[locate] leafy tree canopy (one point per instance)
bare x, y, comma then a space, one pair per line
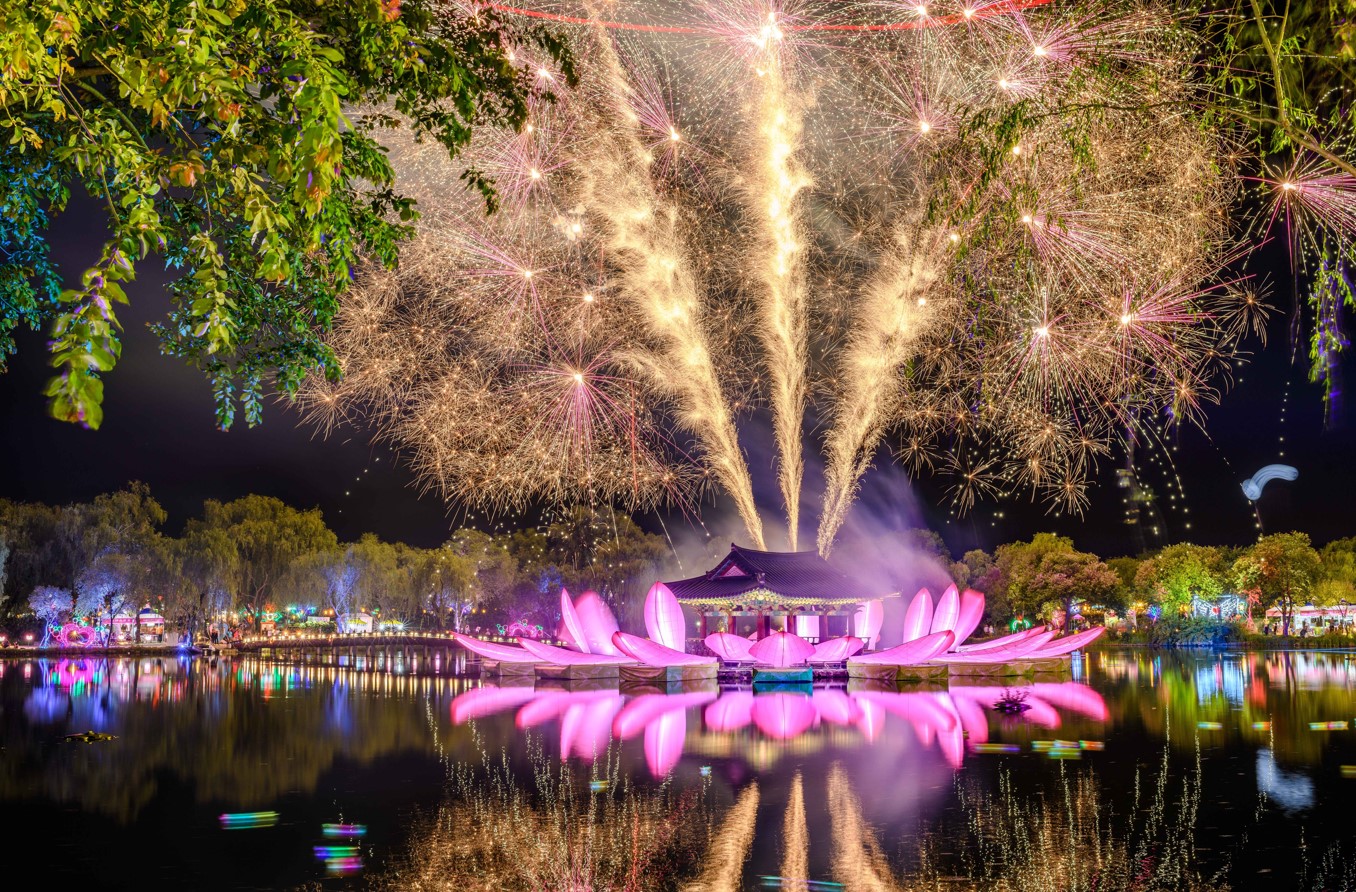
213, 134
1280, 569
1180, 573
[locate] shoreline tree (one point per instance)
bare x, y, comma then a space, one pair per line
213, 135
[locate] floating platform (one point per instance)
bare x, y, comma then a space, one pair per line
892, 674
668, 675
500, 669
579, 672
1055, 668
770, 675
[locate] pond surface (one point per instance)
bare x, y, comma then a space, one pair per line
1147, 771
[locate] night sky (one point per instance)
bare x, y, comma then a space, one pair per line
159, 428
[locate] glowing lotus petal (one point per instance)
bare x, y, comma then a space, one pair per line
1019, 650
782, 649
1001, 642
836, 707
640, 712
1074, 697
836, 649
664, 742
952, 745
652, 654
559, 656
910, 653
918, 617
548, 705
664, 621
1068, 645
563, 634
973, 718
872, 720
1037, 712
947, 611
503, 653
919, 710
598, 623
731, 712
971, 612
480, 702
586, 727
951, 741
868, 620
731, 648
783, 716
570, 619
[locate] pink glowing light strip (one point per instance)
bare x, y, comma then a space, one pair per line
922, 21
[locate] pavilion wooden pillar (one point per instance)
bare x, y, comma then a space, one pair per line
702, 626
730, 622
824, 627
764, 626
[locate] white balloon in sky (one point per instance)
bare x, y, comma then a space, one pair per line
1252, 487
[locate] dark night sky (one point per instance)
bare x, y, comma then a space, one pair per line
159, 428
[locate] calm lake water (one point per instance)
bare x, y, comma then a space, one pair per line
1148, 771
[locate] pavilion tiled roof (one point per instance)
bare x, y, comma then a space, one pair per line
770, 578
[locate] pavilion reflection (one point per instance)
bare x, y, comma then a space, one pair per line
953, 721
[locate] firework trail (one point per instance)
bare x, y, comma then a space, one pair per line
885, 332
985, 236
646, 242
783, 244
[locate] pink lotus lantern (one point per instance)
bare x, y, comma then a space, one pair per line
730, 648
559, 656
947, 611
782, 650
868, 621
597, 624
574, 630
664, 617
652, 654
918, 616
836, 649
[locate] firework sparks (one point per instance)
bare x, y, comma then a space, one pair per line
746, 204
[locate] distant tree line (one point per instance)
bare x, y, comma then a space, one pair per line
256, 557
1047, 574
